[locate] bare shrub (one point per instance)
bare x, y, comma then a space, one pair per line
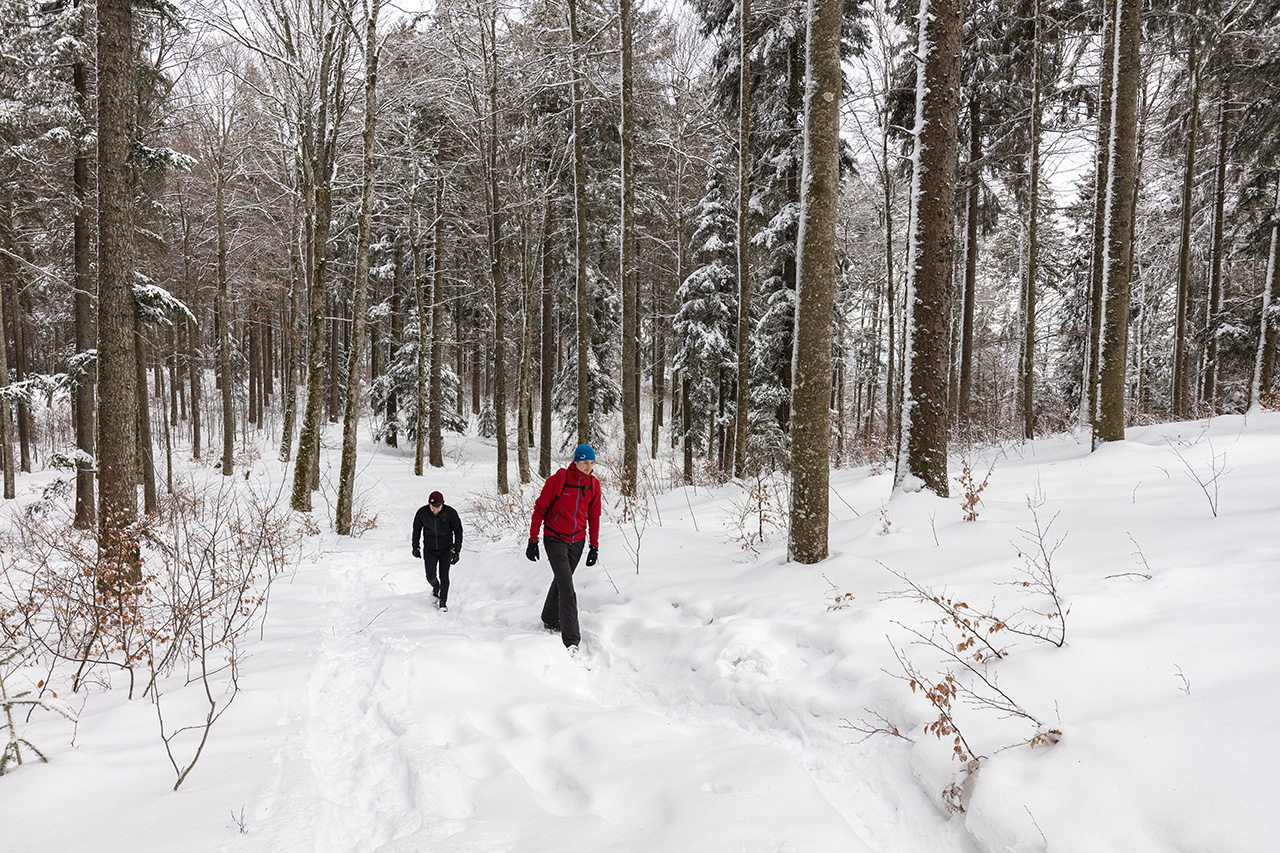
760, 511
496, 516
201, 584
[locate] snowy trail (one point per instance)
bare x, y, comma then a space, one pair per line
472, 731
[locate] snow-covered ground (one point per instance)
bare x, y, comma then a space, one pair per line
721, 697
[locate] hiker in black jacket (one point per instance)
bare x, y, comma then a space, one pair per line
441, 532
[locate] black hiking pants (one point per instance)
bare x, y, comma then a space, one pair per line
438, 562
561, 606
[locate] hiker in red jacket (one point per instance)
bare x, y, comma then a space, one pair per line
569, 509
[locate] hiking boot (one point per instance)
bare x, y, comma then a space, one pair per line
550, 627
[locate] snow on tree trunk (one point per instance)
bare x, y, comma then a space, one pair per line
816, 256
1179, 381
1102, 172
922, 458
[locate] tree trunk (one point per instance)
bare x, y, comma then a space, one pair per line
83, 301
1102, 177
1181, 376
6, 428
965, 392
744, 236
1209, 388
547, 361
118, 410
580, 230
292, 342
815, 296
630, 320
495, 260
1033, 247
437, 331
146, 450
1113, 350
19, 365
420, 302
1265, 360
393, 343
359, 310
224, 336
929, 252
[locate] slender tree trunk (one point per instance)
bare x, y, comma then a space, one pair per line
1180, 378
224, 336
1209, 393
495, 259
744, 237
580, 231
1121, 185
437, 332
815, 297
117, 411
355, 354
146, 449
255, 366
547, 361
309, 437
292, 340
193, 367
396, 323
1265, 360
630, 320
23, 415
1102, 178
420, 299
1033, 248
83, 302
6, 428
965, 393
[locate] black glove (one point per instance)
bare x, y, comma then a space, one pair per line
532, 551
416, 552
454, 558
593, 554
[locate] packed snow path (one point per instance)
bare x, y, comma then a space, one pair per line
473, 730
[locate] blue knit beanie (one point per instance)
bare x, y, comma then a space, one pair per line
584, 453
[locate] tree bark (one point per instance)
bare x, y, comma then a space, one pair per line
580, 230
1209, 387
1181, 376
1102, 173
1033, 247
83, 300
146, 450
359, 304
547, 361
437, 331
815, 297
744, 237
965, 393
117, 411
1113, 350
224, 335
630, 320
1265, 360
929, 252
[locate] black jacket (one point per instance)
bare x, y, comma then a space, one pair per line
440, 531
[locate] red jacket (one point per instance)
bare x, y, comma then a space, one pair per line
569, 505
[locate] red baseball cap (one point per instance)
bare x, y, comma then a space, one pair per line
436, 498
